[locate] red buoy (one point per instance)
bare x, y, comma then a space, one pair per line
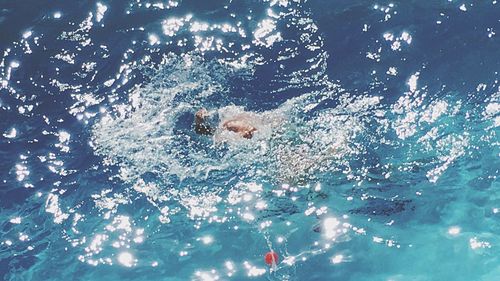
271, 258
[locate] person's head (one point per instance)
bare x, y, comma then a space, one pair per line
201, 125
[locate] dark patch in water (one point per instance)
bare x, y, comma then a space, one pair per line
384, 207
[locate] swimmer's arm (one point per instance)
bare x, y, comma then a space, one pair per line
240, 127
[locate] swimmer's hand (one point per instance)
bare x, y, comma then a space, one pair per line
241, 127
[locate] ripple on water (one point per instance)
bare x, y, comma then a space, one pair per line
169, 198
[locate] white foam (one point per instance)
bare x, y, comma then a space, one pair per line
265, 35
52, 206
172, 25
101, 10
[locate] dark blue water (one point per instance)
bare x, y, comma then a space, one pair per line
376, 155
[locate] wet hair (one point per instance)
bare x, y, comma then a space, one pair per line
203, 125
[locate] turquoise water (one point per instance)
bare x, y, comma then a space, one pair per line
376, 154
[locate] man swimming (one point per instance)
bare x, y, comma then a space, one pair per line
275, 134
240, 124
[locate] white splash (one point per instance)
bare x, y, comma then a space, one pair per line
412, 82
21, 172
52, 206
172, 25
264, 33
101, 9
330, 227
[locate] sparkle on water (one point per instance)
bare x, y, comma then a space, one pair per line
379, 174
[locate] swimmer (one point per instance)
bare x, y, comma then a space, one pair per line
277, 136
238, 124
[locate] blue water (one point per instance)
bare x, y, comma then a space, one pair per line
376, 155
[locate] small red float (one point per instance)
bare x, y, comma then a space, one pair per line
271, 258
